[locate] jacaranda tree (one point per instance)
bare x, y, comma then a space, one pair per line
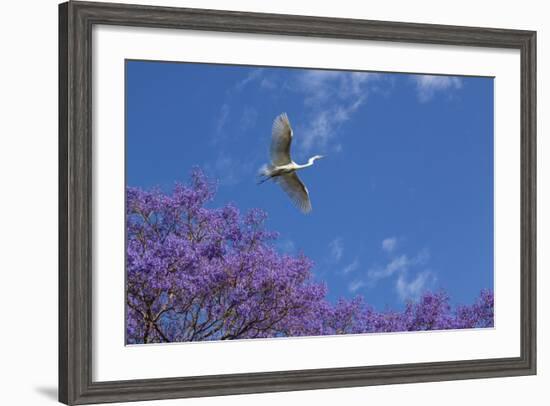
196, 273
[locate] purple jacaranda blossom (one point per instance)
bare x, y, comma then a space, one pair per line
197, 273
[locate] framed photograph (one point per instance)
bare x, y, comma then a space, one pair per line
257, 202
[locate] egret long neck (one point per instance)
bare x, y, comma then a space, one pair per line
309, 163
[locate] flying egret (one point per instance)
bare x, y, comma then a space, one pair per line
282, 168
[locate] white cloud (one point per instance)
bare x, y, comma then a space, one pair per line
398, 264
253, 75
336, 248
259, 75
318, 85
413, 288
402, 266
222, 118
354, 286
351, 267
249, 113
389, 244
323, 126
268, 84
428, 85
331, 99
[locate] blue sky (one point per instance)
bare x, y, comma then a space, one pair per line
402, 203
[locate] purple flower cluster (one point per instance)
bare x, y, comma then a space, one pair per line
196, 273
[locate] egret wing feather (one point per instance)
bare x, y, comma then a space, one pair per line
296, 190
281, 138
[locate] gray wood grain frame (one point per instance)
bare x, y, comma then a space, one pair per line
76, 20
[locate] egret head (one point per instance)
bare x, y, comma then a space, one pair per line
314, 158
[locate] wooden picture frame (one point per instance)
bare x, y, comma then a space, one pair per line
76, 20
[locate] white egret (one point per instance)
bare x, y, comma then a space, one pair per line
282, 168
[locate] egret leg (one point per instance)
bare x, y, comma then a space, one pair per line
263, 180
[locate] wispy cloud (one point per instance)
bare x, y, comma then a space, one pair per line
222, 119
321, 86
413, 289
351, 267
259, 77
268, 83
336, 248
252, 76
427, 86
401, 267
247, 116
407, 272
323, 125
331, 99
355, 285
233, 120
389, 244
398, 263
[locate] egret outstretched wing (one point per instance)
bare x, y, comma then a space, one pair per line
296, 190
281, 138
